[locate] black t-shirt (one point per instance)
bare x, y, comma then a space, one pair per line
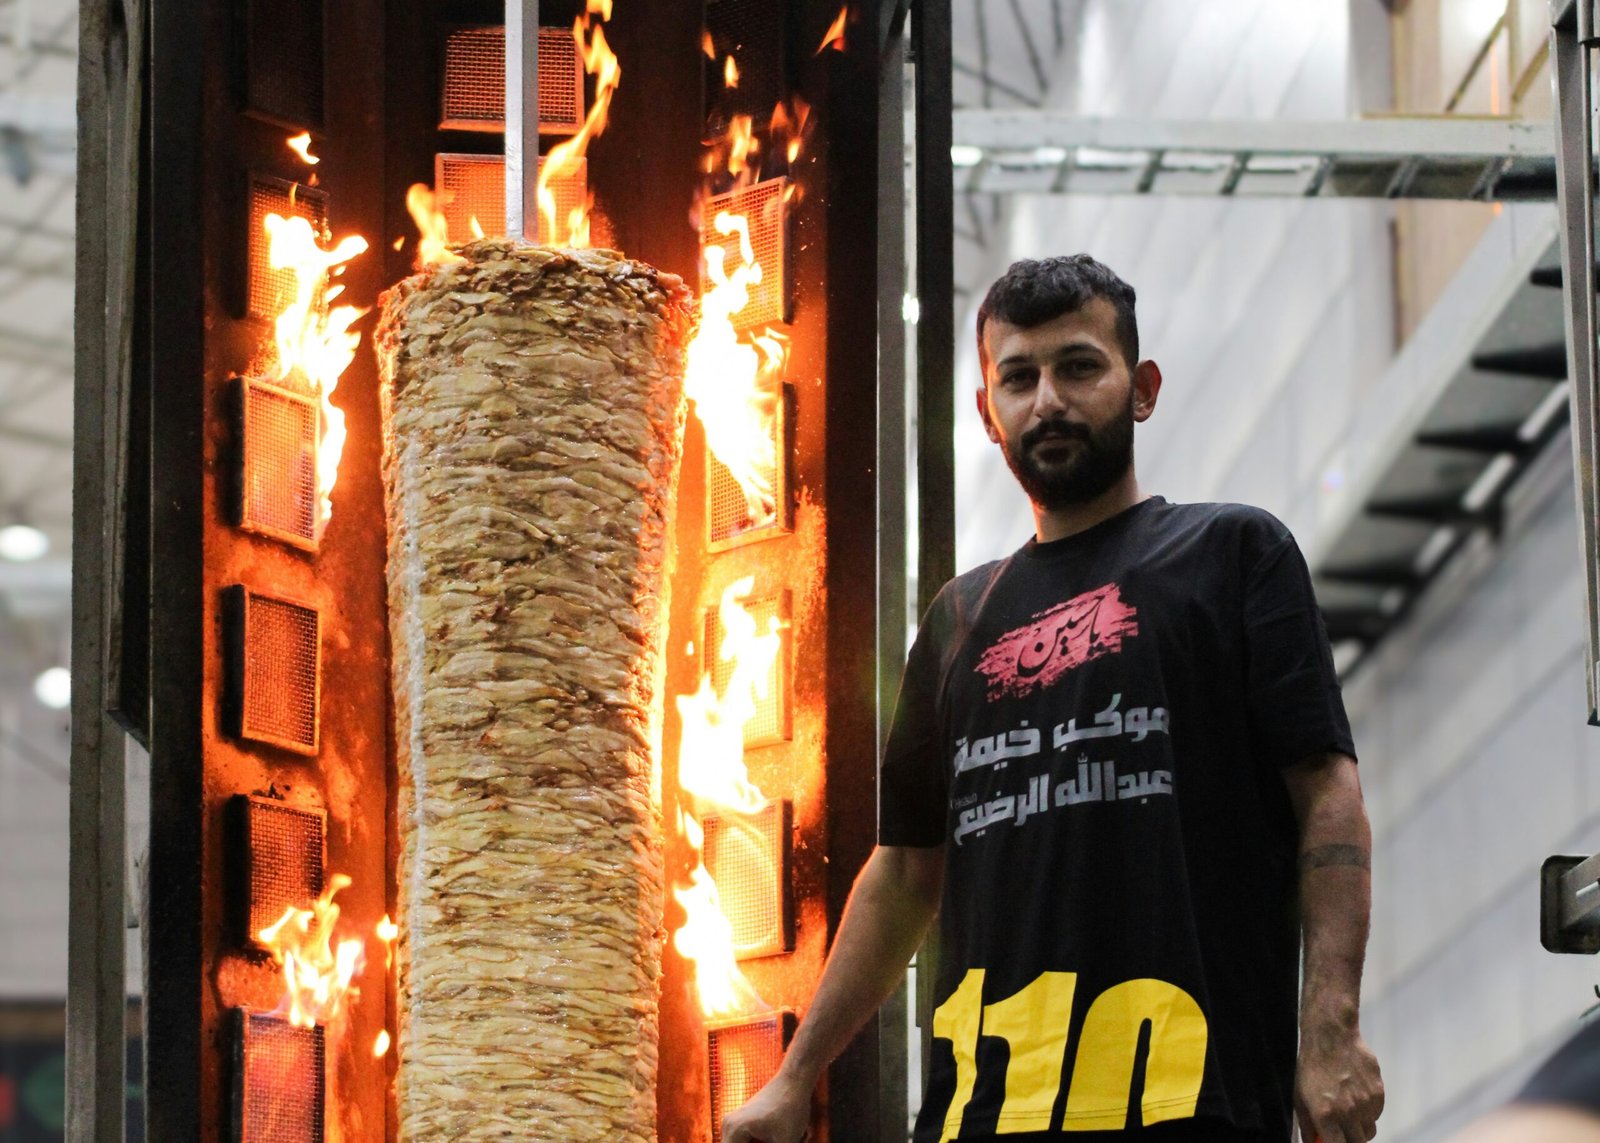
1094, 728
1572, 1076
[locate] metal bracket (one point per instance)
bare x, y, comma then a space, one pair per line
1569, 904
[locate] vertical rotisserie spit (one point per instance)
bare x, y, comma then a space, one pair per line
533, 412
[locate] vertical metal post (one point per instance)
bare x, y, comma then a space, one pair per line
892, 500
936, 324
522, 119
111, 49
1571, 38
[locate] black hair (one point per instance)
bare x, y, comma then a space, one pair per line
1034, 291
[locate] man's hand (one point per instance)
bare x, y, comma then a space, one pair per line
1338, 1093
779, 1113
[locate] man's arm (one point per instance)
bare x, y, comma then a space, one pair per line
1338, 1090
893, 901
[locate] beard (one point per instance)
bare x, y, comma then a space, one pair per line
1099, 459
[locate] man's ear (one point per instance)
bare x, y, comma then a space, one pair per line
983, 411
1146, 388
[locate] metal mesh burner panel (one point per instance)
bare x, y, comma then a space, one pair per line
747, 856
276, 482
773, 720
268, 290
741, 1058
729, 519
762, 205
475, 81
278, 862
283, 63
274, 677
474, 186
279, 1080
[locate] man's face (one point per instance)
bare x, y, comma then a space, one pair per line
1061, 402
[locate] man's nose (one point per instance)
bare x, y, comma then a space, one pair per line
1047, 402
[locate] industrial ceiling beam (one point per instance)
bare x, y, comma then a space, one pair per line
1023, 150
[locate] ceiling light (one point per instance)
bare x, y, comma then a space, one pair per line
54, 688
965, 155
19, 542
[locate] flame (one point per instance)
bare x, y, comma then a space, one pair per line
742, 144
835, 37
380, 1046
789, 124
477, 227
601, 62
318, 975
433, 229
732, 381
387, 932
713, 775
400, 243
314, 339
301, 145
707, 45
730, 73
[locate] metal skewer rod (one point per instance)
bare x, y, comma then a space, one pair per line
522, 119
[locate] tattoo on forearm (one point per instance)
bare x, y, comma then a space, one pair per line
1325, 855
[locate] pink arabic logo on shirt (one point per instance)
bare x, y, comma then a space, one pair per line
1066, 636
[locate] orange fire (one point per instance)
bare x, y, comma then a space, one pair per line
301, 145
789, 124
713, 777
433, 230
313, 337
318, 974
734, 380
730, 73
742, 147
835, 37
601, 62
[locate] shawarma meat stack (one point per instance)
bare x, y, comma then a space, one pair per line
533, 415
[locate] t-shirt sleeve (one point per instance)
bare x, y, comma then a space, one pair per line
1571, 1076
912, 785
1295, 706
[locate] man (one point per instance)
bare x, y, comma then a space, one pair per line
1121, 760
1560, 1104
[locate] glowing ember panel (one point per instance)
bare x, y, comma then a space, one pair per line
747, 856
762, 205
731, 517
277, 477
269, 290
279, 862
742, 1058
533, 410
279, 1080
274, 681
772, 720
473, 188
475, 81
